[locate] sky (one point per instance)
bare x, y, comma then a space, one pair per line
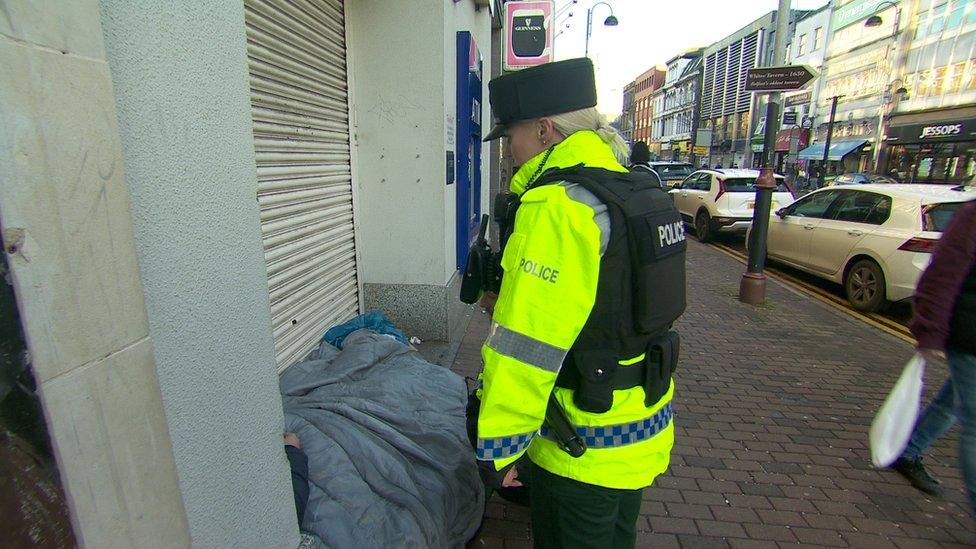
650, 32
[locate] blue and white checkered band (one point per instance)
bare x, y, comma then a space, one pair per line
503, 447
611, 436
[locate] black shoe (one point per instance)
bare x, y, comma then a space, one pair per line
916, 474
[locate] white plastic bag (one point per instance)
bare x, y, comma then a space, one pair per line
893, 424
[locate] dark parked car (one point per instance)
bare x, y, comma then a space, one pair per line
672, 172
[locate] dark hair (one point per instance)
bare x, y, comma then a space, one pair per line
639, 153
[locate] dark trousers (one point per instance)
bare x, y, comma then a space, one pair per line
568, 513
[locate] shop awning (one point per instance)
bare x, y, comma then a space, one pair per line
838, 149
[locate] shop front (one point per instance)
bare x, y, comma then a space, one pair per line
845, 155
663, 151
940, 150
789, 143
680, 150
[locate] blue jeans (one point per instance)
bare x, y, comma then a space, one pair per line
956, 402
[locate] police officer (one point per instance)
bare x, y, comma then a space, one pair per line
593, 263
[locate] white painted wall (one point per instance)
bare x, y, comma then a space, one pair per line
69, 244
402, 72
179, 70
399, 132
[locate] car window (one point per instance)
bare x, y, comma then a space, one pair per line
936, 217
844, 179
672, 171
694, 182
748, 185
882, 179
813, 205
860, 207
704, 182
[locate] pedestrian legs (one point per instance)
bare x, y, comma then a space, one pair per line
935, 420
962, 372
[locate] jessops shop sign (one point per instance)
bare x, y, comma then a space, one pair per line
952, 130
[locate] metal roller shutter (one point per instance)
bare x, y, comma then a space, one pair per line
297, 63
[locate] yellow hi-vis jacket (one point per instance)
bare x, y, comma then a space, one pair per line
552, 264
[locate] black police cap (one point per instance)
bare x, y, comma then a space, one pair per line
543, 90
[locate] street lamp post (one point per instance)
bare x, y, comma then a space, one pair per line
610, 21
752, 287
877, 21
830, 134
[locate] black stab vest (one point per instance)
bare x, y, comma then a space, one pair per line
641, 287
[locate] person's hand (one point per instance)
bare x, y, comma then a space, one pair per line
487, 302
291, 439
932, 354
511, 479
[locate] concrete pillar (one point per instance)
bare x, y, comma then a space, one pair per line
179, 70
65, 215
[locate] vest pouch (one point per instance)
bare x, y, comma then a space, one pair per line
661, 360
657, 250
596, 368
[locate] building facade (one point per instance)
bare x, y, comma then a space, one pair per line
734, 116
808, 46
628, 112
727, 109
675, 107
644, 87
931, 133
859, 67
227, 205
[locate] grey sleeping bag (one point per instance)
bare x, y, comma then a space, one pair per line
389, 460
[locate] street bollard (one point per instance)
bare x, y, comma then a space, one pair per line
752, 288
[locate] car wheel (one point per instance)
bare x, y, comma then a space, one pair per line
865, 286
703, 227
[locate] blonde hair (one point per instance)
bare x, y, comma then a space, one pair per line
590, 119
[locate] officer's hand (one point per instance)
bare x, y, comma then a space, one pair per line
497, 479
511, 479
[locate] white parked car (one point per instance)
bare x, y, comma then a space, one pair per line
874, 239
721, 201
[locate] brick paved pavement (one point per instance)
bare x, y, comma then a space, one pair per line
772, 409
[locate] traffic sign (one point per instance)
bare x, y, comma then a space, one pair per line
774, 79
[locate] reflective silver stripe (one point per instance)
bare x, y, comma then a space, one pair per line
601, 217
525, 349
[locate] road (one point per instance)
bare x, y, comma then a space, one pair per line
893, 320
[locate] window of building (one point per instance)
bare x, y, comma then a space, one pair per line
817, 38
956, 15
788, 47
937, 23
953, 82
802, 48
